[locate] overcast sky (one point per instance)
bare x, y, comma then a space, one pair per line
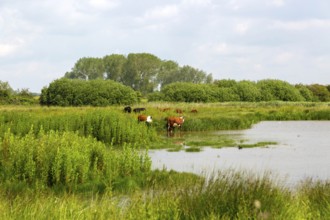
289, 40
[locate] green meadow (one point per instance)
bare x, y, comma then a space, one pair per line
93, 163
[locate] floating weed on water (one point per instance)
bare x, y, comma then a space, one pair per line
193, 149
216, 143
175, 149
259, 144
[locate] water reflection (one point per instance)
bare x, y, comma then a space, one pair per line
303, 150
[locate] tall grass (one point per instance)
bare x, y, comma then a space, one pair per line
67, 161
170, 195
106, 125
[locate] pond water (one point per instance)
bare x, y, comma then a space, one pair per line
302, 151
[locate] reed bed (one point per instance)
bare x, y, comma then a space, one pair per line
107, 125
68, 162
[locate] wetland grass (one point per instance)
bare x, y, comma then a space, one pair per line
173, 195
86, 163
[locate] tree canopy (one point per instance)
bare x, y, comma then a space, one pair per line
143, 72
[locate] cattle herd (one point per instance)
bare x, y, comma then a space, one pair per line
171, 121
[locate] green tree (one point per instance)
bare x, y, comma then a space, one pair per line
5, 90
190, 74
114, 66
188, 92
225, 90
168, 73
141, 72
247, 91
305, 92
87, 68
24, 93
226, 94
225, 83
272, 89
320, 92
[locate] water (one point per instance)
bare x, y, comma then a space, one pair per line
303, 151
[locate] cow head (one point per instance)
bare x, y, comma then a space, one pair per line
149, 119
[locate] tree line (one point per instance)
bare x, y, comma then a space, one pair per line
227, 90
143, 72
119, 79
78, 92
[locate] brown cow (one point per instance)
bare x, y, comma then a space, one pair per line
145, 118
194, 111
173, 122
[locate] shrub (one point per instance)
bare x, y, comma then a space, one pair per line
70, 92
187, 92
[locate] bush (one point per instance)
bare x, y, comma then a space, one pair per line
70, 92
188, 92
272, 90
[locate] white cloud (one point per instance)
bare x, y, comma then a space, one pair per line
221, 48
197, 2
284, 57
7, 49
242, 27
302, 25
163, 12
104, 4
235, 4
278, 3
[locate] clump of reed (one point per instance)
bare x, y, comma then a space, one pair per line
65, 160
109, 126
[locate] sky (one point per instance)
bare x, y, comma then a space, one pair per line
41, 40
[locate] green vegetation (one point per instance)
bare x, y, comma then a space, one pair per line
209, 139
107, 125
245, 91
78, 92
193, 149
66, 92
171, 195
163, 80
92, 163
19, 97
143, 72
66, 160
259, 144
118, 79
